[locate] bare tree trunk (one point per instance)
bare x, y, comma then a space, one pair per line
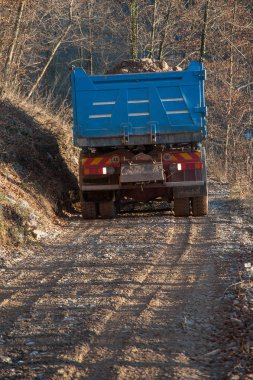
165, 31
134, 28
53, 52
231, 73
9, 59
151, 54
204, 33
90, 51
19, 54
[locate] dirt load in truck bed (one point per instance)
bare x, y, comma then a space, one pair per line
141, 66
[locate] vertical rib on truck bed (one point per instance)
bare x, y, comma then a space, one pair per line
134, 109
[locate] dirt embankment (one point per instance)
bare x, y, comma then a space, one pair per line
37, 171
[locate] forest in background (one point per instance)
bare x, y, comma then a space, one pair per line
41, 40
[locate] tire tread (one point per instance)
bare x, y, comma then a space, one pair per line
107, 209
182, 207
200, 206
89, 210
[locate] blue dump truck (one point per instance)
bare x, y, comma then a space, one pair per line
141, 136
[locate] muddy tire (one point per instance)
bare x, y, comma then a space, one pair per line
107, 209
200, 206
182, 207
89, 210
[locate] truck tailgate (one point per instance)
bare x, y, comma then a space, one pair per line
133, 109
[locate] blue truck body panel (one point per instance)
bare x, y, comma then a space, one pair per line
141, 108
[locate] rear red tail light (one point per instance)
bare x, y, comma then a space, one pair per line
181, 166
99, 170
191, 165
92, 171
100, 165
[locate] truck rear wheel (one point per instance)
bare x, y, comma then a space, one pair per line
182, 207
107, 209
200, 206
89, 210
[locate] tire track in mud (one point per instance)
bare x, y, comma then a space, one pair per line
133, 298
155, 301
123, 278
137, 275
118, 316
107, 354
97, 327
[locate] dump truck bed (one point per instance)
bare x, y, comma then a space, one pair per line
136, 109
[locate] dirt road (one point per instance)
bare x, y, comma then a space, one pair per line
139, 297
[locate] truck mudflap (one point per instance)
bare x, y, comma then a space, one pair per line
190, 191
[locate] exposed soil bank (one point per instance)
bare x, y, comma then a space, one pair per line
37, 171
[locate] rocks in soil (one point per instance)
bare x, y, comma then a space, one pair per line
5, 359
39, 234
34, 353
141, 66
237, 321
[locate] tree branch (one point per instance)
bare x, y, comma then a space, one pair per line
9, 59
58, 44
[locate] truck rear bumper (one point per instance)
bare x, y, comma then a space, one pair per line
142, 185
147, 139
